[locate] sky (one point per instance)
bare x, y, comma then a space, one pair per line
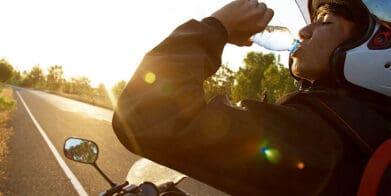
104, 40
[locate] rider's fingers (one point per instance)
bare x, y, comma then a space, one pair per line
267, 16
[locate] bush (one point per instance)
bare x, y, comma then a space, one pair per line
6, 104
6, 100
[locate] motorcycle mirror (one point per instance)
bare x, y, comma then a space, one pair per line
81, 150
148, 188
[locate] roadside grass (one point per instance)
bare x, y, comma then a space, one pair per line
7, 105
96, 101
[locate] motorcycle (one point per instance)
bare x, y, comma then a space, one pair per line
146, 177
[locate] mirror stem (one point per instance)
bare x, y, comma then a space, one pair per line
104, 175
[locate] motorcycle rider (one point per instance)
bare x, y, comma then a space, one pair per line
316, 141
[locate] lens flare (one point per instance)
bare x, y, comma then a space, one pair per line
300, 165
149, 77
272, 155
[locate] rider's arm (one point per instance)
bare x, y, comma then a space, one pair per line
166, 92
263, 148
166, 119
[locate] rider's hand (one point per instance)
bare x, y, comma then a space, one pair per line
242, 19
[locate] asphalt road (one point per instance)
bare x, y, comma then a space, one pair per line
33, 168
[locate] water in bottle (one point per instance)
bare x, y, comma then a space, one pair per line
276, 38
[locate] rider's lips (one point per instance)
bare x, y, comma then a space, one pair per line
297, 51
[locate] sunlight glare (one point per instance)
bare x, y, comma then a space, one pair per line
103, 39
111, 96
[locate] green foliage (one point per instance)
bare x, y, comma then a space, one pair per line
6, 70
67, 87
81, 86
277, 82
55, 78
6, 103
220, 83
16, 78
6, 100
248, 78
35, 78
101, 91
85, 152
262, 74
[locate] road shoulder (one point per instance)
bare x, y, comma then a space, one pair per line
31, 167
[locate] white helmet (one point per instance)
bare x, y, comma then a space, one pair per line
366, 61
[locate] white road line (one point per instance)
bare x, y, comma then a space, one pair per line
75, 182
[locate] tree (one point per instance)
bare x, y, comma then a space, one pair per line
220, 83
277, 82
16, 78
118, 88
85, 152
55, 78
6, 70
262, 74
81, 86
248, 79
101, 91
67, 87
35, 78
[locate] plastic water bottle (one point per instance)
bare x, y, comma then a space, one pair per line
276, 38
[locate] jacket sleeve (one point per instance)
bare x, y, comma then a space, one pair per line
262, 148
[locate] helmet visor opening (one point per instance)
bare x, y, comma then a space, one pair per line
379, 8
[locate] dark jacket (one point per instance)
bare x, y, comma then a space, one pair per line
258, 149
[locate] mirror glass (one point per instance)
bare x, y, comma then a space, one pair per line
148, 189
81, 150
